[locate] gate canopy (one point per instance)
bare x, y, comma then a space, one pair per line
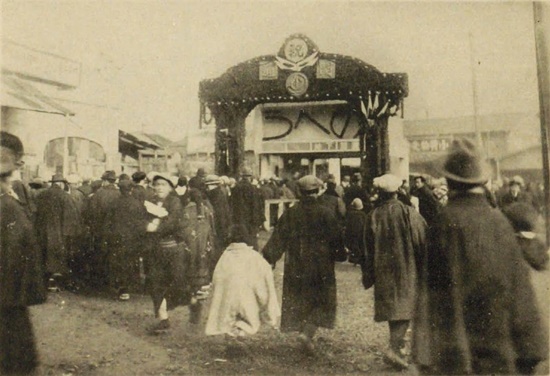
299, 72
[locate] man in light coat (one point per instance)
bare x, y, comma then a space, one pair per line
395, 236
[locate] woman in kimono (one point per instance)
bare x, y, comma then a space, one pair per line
167, 256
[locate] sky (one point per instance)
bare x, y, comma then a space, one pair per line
146, 58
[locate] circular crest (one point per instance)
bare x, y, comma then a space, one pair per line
296, 50
297, 84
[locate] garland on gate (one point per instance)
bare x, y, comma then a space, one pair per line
285, 77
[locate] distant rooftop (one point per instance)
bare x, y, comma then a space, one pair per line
466, 124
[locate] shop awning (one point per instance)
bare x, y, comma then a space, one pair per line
17, 93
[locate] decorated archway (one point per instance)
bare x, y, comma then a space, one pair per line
299, 72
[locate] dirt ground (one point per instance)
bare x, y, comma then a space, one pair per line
94, 334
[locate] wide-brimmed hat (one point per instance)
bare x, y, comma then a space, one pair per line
464, 163
109, 176
309, 183
387, 183
11, 151
58, 178
212, 180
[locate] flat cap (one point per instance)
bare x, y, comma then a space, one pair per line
387, 183
309, 183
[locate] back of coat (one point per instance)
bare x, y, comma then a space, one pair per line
395, 237
477, 308
309, 234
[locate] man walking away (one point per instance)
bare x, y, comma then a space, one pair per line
309, 235
476, 313
395, 236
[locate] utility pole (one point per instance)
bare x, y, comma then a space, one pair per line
474, 92
541, 13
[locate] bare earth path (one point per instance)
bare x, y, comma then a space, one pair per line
97, 335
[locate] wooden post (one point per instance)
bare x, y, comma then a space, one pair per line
541, 14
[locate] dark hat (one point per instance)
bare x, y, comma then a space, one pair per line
125, 186
172, 180
96, 184
124, 177
522, 216
58, 178
11, 151
109, 176
309, 183
464, 163
138, 176
201, 172
246, 171
331, 178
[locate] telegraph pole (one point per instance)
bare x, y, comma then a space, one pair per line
541, 13
474, 90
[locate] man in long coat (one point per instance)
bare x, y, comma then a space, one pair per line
125, 226
21, 282
99, 205
57, 223
309, 235
476, 312
247, 206
395, 236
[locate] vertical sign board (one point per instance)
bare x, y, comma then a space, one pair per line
542, 39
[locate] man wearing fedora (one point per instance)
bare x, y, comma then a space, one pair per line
57, 224
21, 283
516, 193
247, 206
476, 313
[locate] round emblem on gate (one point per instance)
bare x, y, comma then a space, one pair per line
296, 50
297, 84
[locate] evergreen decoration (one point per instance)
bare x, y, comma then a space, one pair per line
229, 98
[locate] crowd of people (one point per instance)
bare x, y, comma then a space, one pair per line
448, 259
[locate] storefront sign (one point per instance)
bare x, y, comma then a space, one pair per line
431, 144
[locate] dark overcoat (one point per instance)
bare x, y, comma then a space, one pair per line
247, 208
476, 311
395, 236
21, 285
355, 233
125, 226
428, 204
199, 237
309, 235
56, 219
100, 203
222, 216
